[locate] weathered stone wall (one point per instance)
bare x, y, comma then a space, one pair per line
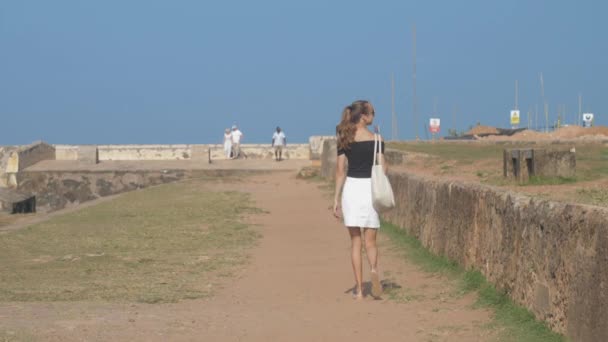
555, 163
14, 159
58, 190
88, 154
34, 153
66, 152
522, 163
180, 152
550, 257
7, 156
316, 145
329, 158
143, 152
265, 151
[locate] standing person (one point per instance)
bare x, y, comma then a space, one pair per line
278, 142
227, 143
236, 141
356, 145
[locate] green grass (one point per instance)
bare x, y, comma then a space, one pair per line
591, 159
539, 180
160, 244
591, 162
15, 336
402, 295
514, 322
461, 152
7, 219
593, 196
416, 252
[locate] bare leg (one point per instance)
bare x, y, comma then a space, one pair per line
355, 238
370, 247
372, 256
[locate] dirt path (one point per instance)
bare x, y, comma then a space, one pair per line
296, 288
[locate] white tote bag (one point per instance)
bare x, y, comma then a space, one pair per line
382, 192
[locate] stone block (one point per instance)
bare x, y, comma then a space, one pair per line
88, 154
316, 145
522, 163
12, 163
329, 158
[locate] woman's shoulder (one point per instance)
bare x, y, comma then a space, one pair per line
366, 136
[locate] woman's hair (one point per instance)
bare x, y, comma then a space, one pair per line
346, 129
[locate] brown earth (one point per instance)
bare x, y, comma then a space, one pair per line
296, 288
481, 171
479, 129
564, 133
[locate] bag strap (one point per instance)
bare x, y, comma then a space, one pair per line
377, 143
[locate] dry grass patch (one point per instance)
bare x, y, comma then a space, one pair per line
7, 219
161, 244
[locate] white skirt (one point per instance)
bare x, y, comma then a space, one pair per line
357, 206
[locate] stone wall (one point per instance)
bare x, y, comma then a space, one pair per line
34, 153
316, 144
549, 257
8, 156
88, 154
329, 158
179, 152
555, 163
522, 163
66, 152
58, 190
14, 159
143, 152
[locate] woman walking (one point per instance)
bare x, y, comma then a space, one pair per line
353, 195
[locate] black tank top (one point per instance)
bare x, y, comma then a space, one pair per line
360, 158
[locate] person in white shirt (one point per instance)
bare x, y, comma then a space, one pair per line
236, 135
278, 141
228, 143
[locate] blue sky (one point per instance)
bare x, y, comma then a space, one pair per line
147, 71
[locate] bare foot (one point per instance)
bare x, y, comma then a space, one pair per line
357, 293
376, 286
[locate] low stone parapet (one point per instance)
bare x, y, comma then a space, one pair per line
66, 152
175, 152
55, 190
88, 154
144, 152
34, 153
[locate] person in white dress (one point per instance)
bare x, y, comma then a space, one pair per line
278, 142
227, 143
237, 136
353, 193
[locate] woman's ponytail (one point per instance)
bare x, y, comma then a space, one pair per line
346, 129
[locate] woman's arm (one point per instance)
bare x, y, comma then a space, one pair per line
340, 178
381, 156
